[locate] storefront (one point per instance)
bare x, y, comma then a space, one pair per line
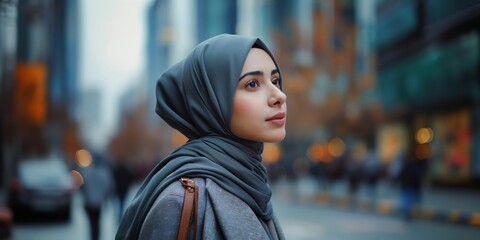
428, 79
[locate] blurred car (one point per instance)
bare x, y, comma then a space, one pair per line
43, 187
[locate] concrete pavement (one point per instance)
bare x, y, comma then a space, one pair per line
437, 204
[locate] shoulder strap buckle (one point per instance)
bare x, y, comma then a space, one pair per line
190, 203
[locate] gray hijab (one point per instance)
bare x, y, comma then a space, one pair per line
195, 96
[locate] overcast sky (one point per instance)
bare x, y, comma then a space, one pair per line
112, 52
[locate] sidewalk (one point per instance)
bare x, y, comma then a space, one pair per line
445, 205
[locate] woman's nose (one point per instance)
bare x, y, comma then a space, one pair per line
277, 97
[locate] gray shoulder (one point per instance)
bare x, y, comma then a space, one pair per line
222, 196
163, 217
228, 214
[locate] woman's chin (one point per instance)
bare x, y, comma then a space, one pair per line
275, 137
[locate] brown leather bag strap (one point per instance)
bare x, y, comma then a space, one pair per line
190, 203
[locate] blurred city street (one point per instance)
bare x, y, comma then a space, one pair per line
75, 229
305, 221
383, 129
301, 219
305, 217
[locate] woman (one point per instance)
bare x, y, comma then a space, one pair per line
226, 98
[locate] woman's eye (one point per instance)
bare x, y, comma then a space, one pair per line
276, 82
252, 84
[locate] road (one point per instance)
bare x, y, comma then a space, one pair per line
300, 219
303, 221
76, 229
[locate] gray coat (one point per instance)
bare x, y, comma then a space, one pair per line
221, 215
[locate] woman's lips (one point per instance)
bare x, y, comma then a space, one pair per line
277, 119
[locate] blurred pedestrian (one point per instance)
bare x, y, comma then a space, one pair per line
226, 98
123, 176
371, 172
97, 188
395, 167
336, 169
410, 177
354, 176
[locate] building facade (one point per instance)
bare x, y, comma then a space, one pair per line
39, 50
428, 68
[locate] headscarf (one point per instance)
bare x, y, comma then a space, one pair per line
195, 96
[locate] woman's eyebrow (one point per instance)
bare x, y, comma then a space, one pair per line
257, 73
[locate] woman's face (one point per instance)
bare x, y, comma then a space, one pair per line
259, 106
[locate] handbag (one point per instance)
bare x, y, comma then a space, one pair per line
190, 204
